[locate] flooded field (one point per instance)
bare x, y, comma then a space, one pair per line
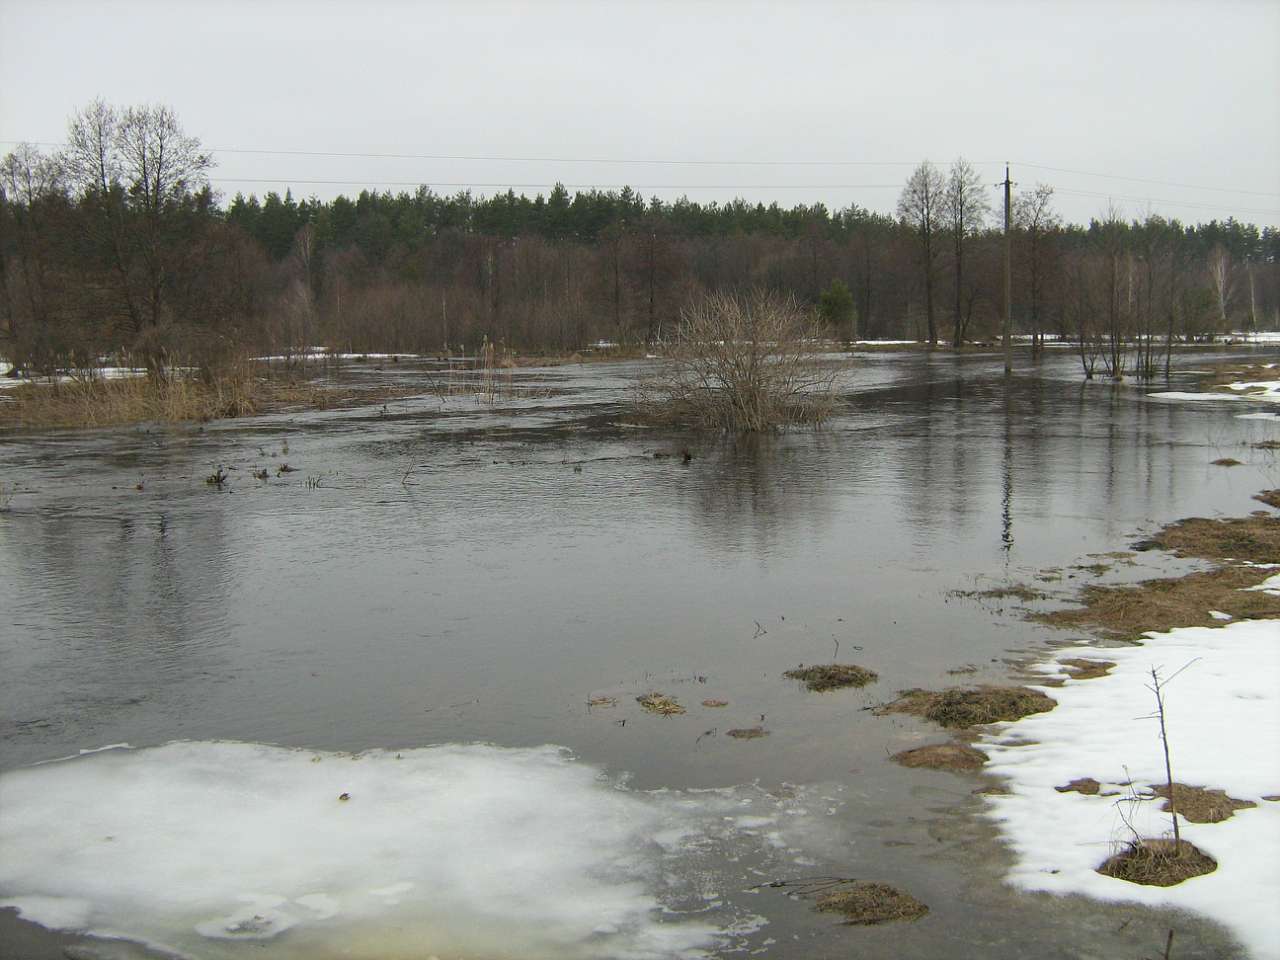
504, 577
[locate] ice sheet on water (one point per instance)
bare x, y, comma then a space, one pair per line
209, 849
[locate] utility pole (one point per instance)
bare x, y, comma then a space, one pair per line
1008, 276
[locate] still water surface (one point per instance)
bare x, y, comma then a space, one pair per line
443, 571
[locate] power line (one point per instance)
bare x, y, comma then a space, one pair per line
504, 185
1162, 183
670, 161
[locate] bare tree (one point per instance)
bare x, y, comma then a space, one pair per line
1034, 215
920, 207
1221, 281
28, 180
965, 208
137, 168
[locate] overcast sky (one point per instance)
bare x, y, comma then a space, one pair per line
1186, 93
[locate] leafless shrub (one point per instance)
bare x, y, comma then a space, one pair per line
743, 362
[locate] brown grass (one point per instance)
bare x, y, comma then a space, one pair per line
832, 676
955, 756
1242, 538
101, 403
1019, 591
1270, 497
660, 703
1226, 462
175, 399
968, 706
1078, 668
1220, 375
1159, 863
1085, 785
1127, 612
865, 903
1200, 805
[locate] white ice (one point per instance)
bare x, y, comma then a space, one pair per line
1224, 732
212, 849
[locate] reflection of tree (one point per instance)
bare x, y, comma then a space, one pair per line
751, 492
109, 612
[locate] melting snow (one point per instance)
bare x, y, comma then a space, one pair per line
1224, 732
209, 849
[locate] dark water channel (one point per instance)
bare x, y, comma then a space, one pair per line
449, 571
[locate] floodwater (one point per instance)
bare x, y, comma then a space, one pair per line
447, 571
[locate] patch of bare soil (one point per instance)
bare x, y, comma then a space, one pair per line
1226, 462
715, 703
832, 676
1126, 612
864, 903
1159, 863
1079, 668
967, 706
747, 733
1270, 497
1200, 805
954, 756
660, 703
1086, 785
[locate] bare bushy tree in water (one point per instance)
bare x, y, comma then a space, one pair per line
744, 362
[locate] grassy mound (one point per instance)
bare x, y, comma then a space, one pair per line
1158, 863
954, 756
868, 903
832, 676
967, 706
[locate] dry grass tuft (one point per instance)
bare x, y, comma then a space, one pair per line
833, 676
1270, 497
660, 703
1200, 805
1127, 612
1086, 785
1079, 668
1158, 863
968, 706
865, 903
955, 756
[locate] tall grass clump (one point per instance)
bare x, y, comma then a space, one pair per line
743, 362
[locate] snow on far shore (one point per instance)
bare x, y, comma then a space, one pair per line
1223, 715
455, 850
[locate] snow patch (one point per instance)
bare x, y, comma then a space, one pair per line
1224, 731
205, 849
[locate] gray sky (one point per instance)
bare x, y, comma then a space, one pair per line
1187, 93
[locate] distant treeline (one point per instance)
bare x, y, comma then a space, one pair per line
118, 244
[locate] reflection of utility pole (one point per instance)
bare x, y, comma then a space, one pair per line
1008, 274
1006, 499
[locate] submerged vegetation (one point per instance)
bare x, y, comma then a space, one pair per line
1127, 612
743, 362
